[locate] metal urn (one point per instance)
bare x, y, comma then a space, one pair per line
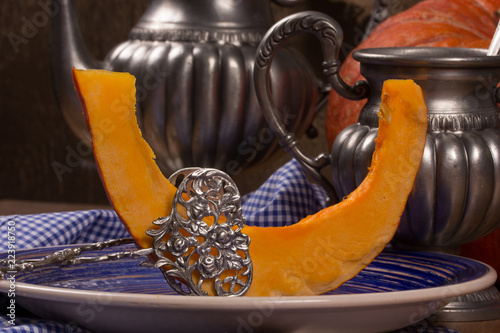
456, 195
193, 61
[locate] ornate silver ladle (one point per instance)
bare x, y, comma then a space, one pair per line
198, 247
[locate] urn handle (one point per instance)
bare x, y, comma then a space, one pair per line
330, 35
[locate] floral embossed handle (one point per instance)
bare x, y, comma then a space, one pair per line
330, 35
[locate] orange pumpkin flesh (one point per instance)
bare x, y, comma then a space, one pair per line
310, 257
135, 187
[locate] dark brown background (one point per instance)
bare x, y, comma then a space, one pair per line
33, 133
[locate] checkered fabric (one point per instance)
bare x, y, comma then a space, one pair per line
62, 228
283, 199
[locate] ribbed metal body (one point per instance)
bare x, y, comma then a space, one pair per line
193, 61
456, 196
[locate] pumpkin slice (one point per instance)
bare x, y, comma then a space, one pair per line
134, 184
311, 257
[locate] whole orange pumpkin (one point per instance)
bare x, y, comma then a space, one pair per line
447, 23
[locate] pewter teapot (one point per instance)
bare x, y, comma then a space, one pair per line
456, 195
193, 61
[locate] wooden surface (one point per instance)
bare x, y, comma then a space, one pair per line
491, 326
34, 137
16, 207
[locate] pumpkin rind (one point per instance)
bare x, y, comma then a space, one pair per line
310, 257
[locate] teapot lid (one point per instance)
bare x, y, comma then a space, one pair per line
204, 20
207, 14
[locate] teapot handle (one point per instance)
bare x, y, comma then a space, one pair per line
330, 35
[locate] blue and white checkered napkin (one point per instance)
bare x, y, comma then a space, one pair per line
286, 197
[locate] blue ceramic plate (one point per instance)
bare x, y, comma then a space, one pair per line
396, 290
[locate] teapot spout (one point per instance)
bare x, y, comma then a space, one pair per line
67, 50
